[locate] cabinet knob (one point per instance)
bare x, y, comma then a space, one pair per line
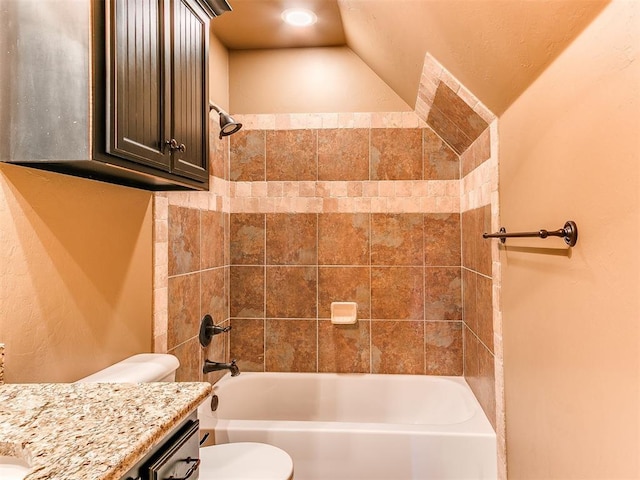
173, 146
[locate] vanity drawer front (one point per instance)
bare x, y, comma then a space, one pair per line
178, 459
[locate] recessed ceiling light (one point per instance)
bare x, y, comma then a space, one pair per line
299, 17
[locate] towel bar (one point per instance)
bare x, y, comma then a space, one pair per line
569, 233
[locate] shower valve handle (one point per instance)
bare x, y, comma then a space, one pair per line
208, 330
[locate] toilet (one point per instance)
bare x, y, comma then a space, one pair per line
229, 461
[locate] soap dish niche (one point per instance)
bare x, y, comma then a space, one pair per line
344, 313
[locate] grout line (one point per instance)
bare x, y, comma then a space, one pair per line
182, 343
317, 288
370, 298
424, 290
264, 290
462, 294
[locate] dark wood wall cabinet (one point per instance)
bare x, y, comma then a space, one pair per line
123, 99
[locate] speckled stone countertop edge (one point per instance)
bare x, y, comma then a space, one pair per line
90, 431
152, 440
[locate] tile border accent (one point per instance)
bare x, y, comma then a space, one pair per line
398, 196
299, 121
217, 199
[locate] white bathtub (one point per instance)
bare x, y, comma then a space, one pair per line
359, 427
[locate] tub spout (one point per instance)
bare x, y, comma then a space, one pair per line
210, 366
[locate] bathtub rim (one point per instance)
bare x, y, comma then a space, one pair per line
477, 425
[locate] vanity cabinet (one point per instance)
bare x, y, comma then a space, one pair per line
174, 457
113, 90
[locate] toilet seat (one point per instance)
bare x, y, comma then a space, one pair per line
245, 461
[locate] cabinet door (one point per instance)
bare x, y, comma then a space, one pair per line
190, 51
138, 93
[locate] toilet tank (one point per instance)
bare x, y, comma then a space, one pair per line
141, 368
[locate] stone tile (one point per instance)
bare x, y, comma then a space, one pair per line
183, 309
442, 239
443, 293
443, 348
471, 366
476, 251
343, 154
470, 312
227, 239
184, 240
246, 291
291, 345
224, 145
484, 308
344, 284
214, 299
396, 154
291, 155
217, 152
484, 387
397, 347
247, 238
247, 156
291, 292
343, 239
476, 154
469, 226
483, 245
440, 161
448, 131
247, 343
292, 238
213, 236
397, 293
344, 348
397, 239
462, 115
189, 356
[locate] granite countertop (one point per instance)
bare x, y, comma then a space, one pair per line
90, 431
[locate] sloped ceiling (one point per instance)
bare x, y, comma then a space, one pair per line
496, 48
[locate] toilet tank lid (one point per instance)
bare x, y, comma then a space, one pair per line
141, 368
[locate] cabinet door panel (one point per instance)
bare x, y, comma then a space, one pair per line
138, 92
190, 39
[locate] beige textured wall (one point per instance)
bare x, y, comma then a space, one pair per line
218, 72
570, 149
75, 274
307, 80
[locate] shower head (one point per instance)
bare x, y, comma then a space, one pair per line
228, 125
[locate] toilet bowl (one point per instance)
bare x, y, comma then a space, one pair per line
243, 461
228, 461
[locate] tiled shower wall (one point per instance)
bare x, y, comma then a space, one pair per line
383, 209
462, 121
477, 287
196, 284
370, 243
191, 277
